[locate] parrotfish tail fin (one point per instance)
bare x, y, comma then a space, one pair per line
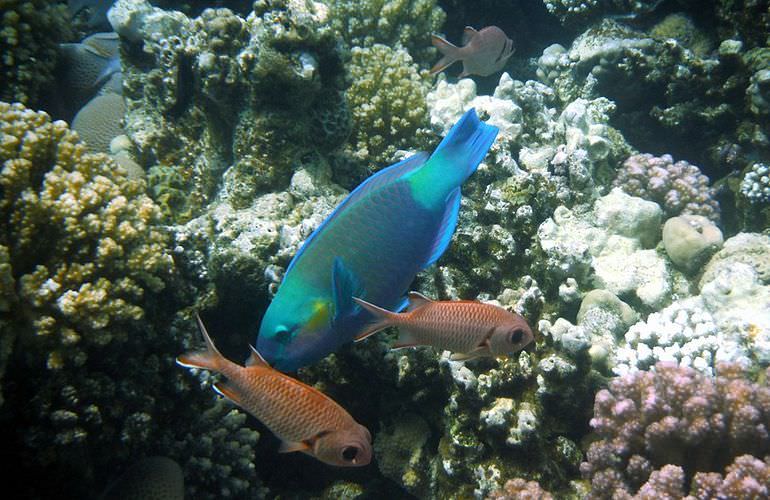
382, 319
345, 285
446, 229
210, 359
450, 52
467, 142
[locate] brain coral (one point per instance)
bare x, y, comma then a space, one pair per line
387, 101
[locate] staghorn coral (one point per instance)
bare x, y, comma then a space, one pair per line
403, 24
387, 102
679, 188
674, 416
29, 33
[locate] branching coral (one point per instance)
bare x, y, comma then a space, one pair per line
675, 416
387, 101
678, 187
29, 33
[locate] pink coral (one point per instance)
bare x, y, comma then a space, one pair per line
679, 188
520, 489
649, 422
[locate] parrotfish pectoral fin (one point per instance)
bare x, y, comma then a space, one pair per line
256, 359
467, 143
345, 285
449, 51
383, 177
447, 227
382, 319
417, 300
289, 447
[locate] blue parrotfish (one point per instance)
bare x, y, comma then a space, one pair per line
395, 224
483, 52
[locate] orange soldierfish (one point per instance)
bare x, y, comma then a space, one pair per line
303, 418
483, 52
465, 327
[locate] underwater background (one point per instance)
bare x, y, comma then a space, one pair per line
170, 158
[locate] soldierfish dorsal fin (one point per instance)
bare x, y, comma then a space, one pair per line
382, 319
256, 359
417, 300
468, 33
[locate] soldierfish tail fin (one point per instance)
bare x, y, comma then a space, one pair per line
382, 319
210, 359
467, 142
450, 52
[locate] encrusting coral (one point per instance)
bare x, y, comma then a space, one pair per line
656, 428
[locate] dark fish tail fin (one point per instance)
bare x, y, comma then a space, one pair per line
449, 51
210, 359
468, 141
382, 319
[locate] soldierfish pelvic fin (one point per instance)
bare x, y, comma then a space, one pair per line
450, 52
290, 447
482, 350
382, 319
210, 359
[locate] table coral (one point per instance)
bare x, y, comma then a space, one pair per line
660, 427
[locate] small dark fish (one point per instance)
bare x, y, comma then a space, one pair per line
483, 52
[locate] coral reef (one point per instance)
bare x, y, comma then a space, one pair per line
398, 24
755, 185
656, 428
220, 92
690, 240
519, 489
387, 102
678, 187
29, 33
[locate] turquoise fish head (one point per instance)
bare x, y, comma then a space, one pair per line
294, 331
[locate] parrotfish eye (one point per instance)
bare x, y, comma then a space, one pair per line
516, 335
282, 334
349, 453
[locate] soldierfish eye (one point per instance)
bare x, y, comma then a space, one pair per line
349, 453
516, 336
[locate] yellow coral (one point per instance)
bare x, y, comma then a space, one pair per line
83, 239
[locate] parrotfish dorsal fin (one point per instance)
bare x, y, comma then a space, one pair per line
381, 178
417, 300
256, 359
345, 286
447, 227
468, 33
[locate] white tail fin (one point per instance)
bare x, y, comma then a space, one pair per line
382, 319
210, 359
449, 51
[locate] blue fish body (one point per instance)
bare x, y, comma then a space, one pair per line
395, 224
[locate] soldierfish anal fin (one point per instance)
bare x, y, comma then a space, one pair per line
256, 359
345, 286
446, 228
290, 447
226, 390
467, 143
450, 54
382, 178
468, 33
405, 339
417, 300
382, 319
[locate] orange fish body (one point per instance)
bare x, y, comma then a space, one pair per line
303, 418
483, 52
467, 328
